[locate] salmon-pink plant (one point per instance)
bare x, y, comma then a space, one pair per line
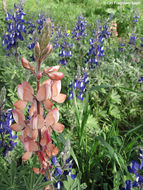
36, 132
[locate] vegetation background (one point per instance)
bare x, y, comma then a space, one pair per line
105, 129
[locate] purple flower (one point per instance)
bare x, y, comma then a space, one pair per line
79, 85
15, 28
79, 30
6, 134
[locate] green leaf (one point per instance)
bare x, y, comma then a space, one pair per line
93, 148
39, 180
114, 111
98, 87
83, 186
12, 172
74, 157
131, 90
134, 129
43, 185
76, 111
2, 96
26, 183
115, 97
84, 117
32, 177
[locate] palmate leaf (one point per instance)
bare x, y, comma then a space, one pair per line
114, 111
34, 183
115, 97
75, 184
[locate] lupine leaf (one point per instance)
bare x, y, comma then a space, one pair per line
134, 129
12, 172
2, 97
26, 183
74, 157
84, 117
98, 87
43, 185
40, 178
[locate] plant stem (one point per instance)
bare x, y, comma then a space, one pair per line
38, 112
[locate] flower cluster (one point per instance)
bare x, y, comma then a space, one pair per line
113, 29
65, 52
79, 85
140, 80
61, 171
15, 28
59, 35
104, 32
135, 168
96, 48
141, 39
132, 39
37, 27
121, 47
6, 134
79, 30
36, 132
136, 17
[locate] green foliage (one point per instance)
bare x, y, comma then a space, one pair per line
15, 178
106, 128
74, 185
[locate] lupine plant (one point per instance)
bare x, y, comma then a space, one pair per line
63, 168
96, 50
79, 85
7, 136
15, 29
65, 50
136, 169
36, 132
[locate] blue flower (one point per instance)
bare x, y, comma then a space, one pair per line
132, 39
128, 185
79, 85
134, 167
79, 30
121, 47
58, 172
141, 79
65, 49
58, 185
54, 160
7, 137
96, 50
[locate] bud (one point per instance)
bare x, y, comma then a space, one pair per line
45, 34
26, 64
37, 51
46, 52
39, 75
